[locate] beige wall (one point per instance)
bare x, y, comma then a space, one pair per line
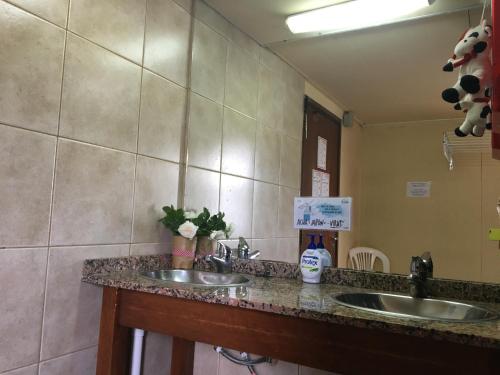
453, 223
93, 144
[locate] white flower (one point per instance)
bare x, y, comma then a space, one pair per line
188, 230
190, 214
217, 235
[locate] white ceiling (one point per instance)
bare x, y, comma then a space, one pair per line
385, 74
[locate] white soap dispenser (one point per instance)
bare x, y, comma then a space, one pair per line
325, 254
311, 263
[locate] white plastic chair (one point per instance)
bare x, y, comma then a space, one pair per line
363, 258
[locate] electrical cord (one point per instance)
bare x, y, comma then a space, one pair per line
244, 361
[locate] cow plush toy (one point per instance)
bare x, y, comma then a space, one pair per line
477, 118
471, 91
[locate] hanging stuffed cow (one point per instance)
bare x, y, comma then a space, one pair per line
471, 91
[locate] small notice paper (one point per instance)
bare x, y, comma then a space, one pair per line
322, 147
320, 184
418, 189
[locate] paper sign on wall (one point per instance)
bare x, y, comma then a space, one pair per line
322, 146
323, 213
320, 184
417, 189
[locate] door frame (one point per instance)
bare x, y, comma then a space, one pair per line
311, 103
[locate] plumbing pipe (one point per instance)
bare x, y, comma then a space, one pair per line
135, 366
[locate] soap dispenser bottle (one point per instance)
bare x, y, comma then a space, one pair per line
325, 254
311, 263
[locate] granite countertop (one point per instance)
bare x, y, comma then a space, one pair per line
290, 297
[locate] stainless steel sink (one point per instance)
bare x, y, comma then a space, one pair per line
198, 278
416, 308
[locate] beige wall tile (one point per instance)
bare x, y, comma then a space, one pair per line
79, 363
245, 42
206, 360
294, 80
265, 210
208, 67
227, 367
167, 40
162, 119
271, 100
242, 84
236, 198
293, 113
238, 144
30, 370
186, 4
93, 195
272, 61
267, 154
287, 249
117, 25
30, 91
285, 212
140, 249
156, 186
55, 11
157, 354
72, 308
202, 190
22, 275
291, 162
267, 248
100, 102
212, 18
205, 133
26, 170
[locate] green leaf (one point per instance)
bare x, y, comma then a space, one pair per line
173, 218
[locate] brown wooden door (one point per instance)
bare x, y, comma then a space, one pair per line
319, 122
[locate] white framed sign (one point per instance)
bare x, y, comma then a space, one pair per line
418, 189
323, 213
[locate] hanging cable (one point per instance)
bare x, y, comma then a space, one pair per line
485, 5
245, 359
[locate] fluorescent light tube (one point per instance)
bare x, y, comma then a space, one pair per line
354, 14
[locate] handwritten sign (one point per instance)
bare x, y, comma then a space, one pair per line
323, 213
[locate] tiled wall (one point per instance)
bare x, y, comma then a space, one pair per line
244, 135
94, 99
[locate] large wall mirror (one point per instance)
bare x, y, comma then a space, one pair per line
245, 142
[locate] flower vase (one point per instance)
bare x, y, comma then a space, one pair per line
183, 250
205, 246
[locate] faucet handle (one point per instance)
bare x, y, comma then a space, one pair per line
243, 248
429, 265
223, 251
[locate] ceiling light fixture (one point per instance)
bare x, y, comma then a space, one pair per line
354, 14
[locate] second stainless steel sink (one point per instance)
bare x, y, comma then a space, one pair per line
419, 308
198, 278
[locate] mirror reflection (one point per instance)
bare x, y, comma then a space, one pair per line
375, 113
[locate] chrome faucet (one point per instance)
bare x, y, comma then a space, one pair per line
421, 268
222, 261
244, 250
